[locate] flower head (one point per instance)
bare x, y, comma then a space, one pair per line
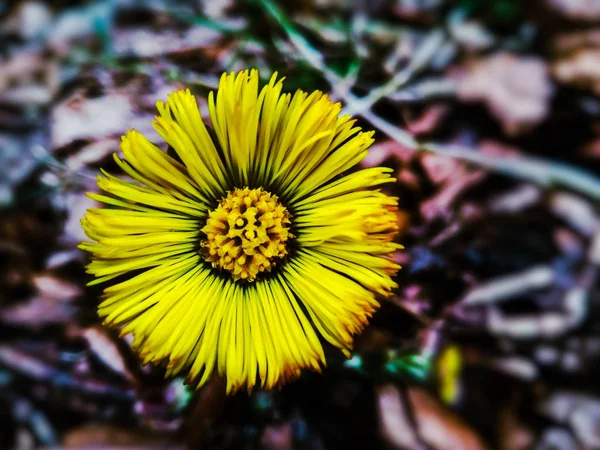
248, 244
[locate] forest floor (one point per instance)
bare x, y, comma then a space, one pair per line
489, 114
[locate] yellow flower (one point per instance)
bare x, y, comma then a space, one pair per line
247, 245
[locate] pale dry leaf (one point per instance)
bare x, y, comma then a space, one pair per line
584, 10
559, 404
585, 421
594, 250
580, 410
471, 35
557, 439
106, 350
51, 304
78, 24
508, 286
89, 118
78, 203
395, 426
577, 211
516, 200
148, 43
37, 95
216, 9
29, 78
92, 153
50, 286
546, 325
516, 367
36, 312
63, 257
30, 19
384, 150
516, 89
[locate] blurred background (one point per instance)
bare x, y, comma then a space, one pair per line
487, 110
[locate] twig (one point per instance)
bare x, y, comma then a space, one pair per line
508, 286
425, 89
543, 172
422, 56
312, 56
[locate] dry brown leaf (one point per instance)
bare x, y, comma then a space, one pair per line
581, 69
439, 205
565, 43
105, 436
429, 120
439, 168
514, 434
438, 426
591, 150
277, 437
408, 178
207, 410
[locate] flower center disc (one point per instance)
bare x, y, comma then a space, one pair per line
246, 233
